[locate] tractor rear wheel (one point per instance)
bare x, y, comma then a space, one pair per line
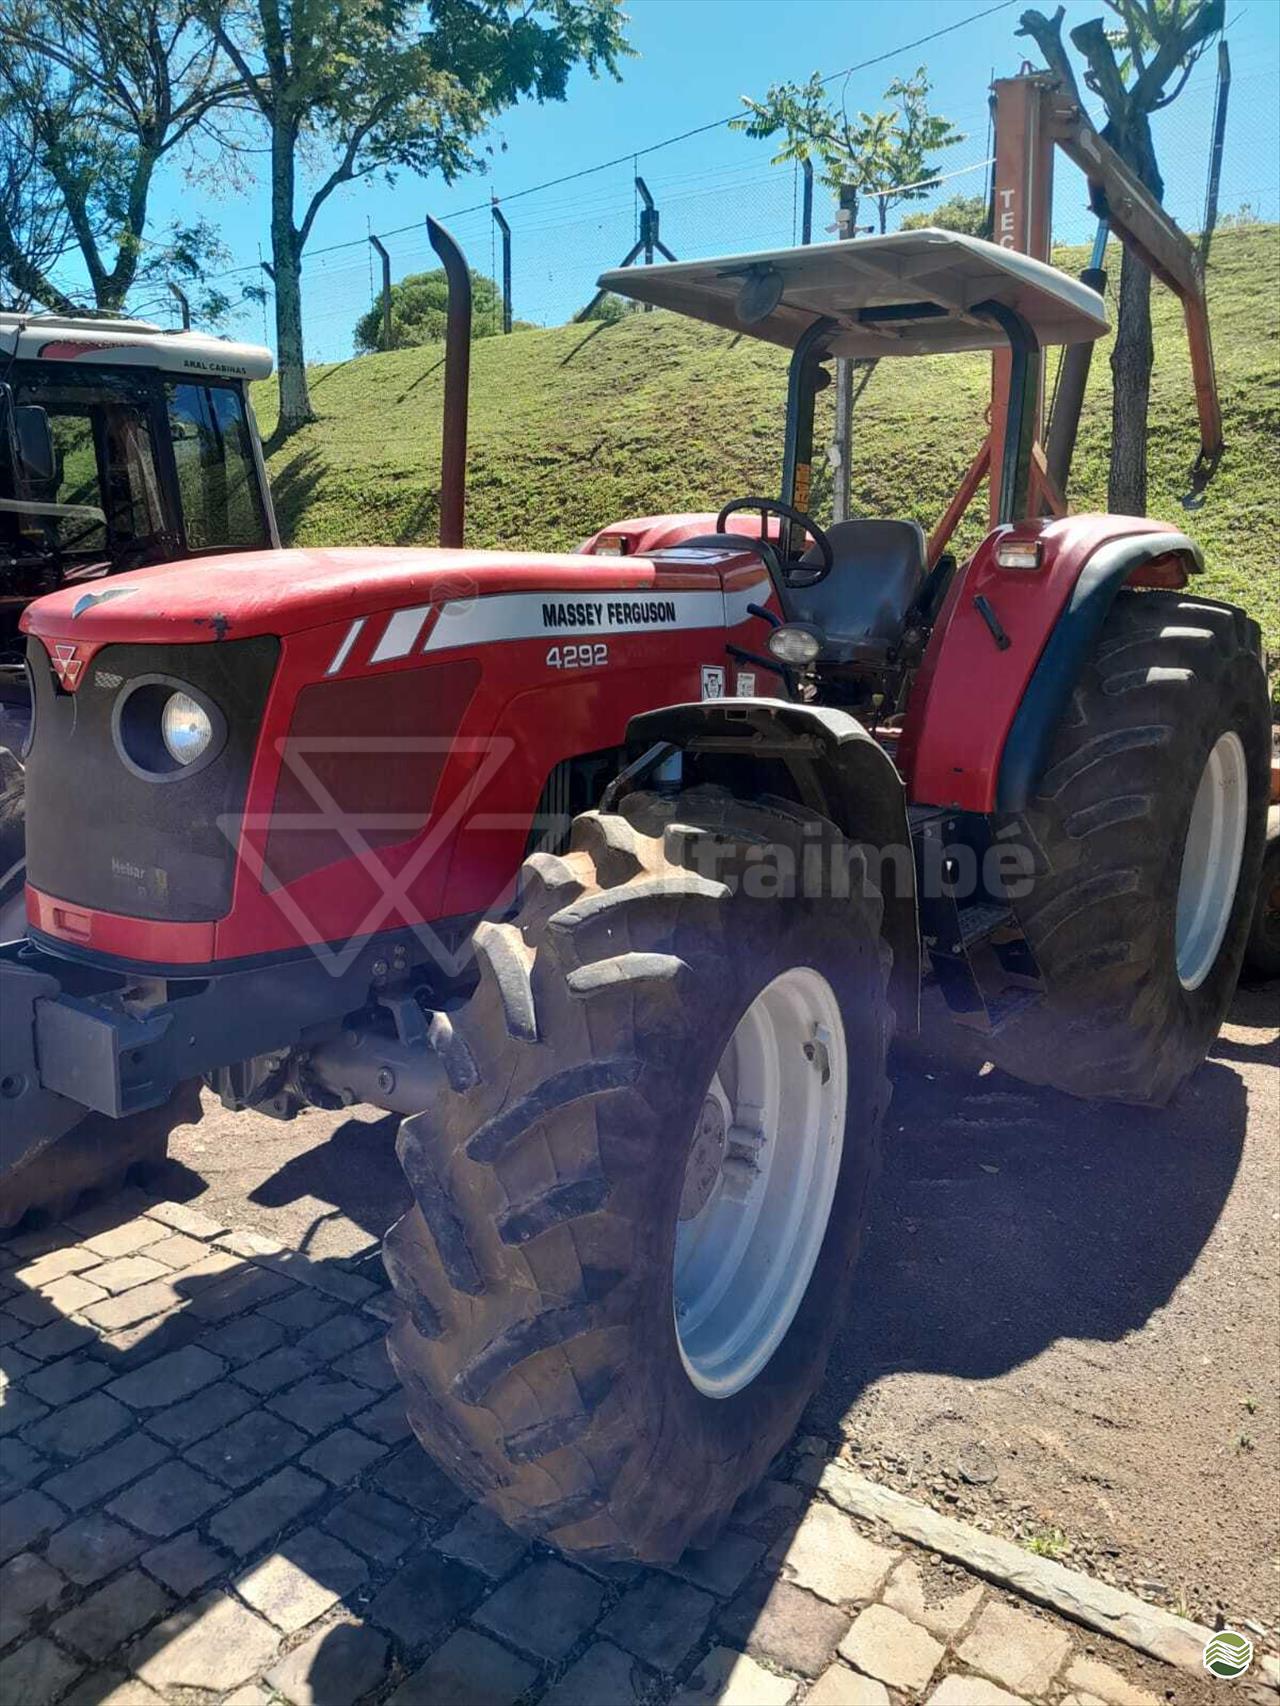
1146, 834
638, 1209
1262, 955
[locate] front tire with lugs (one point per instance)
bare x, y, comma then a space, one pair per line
93, 1160
591, 1118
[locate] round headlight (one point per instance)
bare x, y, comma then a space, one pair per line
795, 643
185, 728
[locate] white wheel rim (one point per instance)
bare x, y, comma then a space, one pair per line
1211, 859
759, 1182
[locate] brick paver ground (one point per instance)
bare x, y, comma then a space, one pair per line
208, 1493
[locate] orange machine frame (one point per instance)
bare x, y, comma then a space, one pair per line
1033, 116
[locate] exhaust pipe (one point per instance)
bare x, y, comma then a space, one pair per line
457, 379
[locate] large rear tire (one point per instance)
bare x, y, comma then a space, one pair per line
1262, 953
645, 1043
1147, 835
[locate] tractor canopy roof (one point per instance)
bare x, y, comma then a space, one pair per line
913, 293
128, 343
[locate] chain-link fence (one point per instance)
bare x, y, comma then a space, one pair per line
717, 193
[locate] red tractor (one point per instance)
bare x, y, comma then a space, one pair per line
614, 873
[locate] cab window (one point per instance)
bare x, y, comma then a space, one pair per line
105, 489
217, 476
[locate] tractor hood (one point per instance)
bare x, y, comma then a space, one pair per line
285, 592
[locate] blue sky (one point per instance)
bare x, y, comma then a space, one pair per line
696, 58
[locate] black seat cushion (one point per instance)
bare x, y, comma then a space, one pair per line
861, 606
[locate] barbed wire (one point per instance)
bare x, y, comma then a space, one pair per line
718, 192
654, 147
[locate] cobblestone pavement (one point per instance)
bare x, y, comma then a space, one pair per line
210, 1494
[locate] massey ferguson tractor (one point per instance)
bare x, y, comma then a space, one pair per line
121, 444
615, 872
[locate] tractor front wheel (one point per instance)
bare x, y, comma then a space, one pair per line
637, 1211
13, 862
92, 1160
1146, 835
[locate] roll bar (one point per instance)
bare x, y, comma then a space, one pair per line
805, 379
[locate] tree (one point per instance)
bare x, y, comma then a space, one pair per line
347, 89
884, 156
419, 308
1130, 69
94, 96
35, 232
611, 309
970, 214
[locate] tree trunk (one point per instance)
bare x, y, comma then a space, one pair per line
1132, 355
1133, 352
286, 260
295, 400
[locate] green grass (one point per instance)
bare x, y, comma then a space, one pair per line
576, 426
1047, 1543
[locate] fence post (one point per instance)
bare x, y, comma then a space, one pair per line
500, 221
806, 202
386, 290
842, 441
649, 239
1215, 159
183, 304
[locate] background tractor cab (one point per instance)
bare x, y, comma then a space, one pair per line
121, 444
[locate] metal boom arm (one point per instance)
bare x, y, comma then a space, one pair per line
1034, 115
1118, 195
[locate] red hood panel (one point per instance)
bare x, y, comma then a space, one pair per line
284, 592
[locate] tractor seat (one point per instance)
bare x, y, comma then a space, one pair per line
861, 606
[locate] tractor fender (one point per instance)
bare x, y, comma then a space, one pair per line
1068, 648
834, 767
993, 637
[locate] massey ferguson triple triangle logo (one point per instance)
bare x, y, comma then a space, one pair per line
67, 665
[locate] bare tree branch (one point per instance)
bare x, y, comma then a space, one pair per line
1047, 35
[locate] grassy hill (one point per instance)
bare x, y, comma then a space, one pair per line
579, 425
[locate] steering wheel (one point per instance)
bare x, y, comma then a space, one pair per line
808, 575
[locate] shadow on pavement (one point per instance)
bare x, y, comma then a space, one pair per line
1006, 1218
1009, 1217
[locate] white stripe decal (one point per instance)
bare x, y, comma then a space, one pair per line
567, 615
401, 633
344, 650
736, 602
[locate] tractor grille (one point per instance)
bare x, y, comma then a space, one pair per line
361, 764
99, 835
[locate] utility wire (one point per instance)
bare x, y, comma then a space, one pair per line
667, 142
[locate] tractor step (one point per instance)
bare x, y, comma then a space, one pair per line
978, 952
981, 919
999, 1011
